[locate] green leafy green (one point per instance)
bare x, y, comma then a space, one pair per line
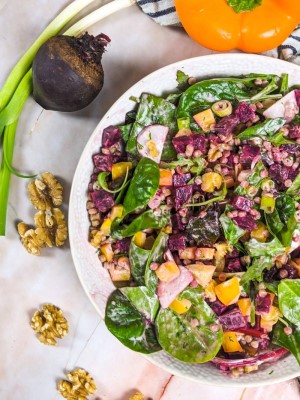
138, 259
289, 299
195, 165
255, 270
255, 178
143, 300
204, 231
294, 189
156, 255
232, 232
181, 339
265, 249
125, 129
264, 130
102, 182
182, 80
289, 342
143, 186
128, 325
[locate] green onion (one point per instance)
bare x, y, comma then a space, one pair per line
267, 204
183, 123
284, 87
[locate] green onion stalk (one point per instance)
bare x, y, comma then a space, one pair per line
18, 85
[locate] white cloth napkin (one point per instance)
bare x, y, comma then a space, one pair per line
163, 12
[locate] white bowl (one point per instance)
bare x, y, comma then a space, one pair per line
94, 278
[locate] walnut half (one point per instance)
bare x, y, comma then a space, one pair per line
79, 385
50, 324
51, 227
46, 192
30, 239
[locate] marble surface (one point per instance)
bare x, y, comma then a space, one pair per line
54, 141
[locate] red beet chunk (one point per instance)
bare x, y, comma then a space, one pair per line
244, 112
247, 223
279, 173
177, 242
177, 223
218, 307
226, 126
248, 153
294, 132
263, 304
232, 320
102, 163
242, 203
183, 195
181, 179
122, 245
102, 200
110, 136
197, 140
234, 265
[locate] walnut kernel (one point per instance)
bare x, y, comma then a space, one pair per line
51, 227
80, 384
45, 193
50, 324
30, 239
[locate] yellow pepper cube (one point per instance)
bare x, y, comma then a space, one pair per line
228, 292
230, 343
211, 181
165, 177
188, 253
202, 273
139, 239
167, 271
105, 227
107, 251
119, 169
205, 119
116, 212
204, 253
180, 306
244, 305
261, 233
268, 320
209, 291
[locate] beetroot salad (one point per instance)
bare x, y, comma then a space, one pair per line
194, 207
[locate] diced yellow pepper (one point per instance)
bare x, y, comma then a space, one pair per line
119, 169
180, 306
268, 320
244, 306
209, 291
261, 233
167, 271
165, 177
230, 343
205, 119
105, 227
204, 253
202, 273
188, 253
107, 251
211, 181
139, 239
119, 275
116, 212
222, 249
184, 132
228, 292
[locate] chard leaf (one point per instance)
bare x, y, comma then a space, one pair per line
289, 342
182, 340
255, 270
266, 249
289, 299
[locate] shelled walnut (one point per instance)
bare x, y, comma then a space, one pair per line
30, 240
50, 324
45, 193
79, 385
51, 227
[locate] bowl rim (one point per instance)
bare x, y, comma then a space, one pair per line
231, 57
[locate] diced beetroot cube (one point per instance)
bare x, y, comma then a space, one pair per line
102, 200
177, 223
297, 95
232, 320
263, 304
242, 203
217, 307
234, 265
122, 245
111, 135
247, 223
177, 241
180, 143
102, 162
248, 153
244, 112
197, 140
290, 148
279, 173
183, 195
226, 126
263, 343
294, 132
214, 138
181, 179
234, 254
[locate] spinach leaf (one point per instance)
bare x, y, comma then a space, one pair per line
265, 130
266, 249
255, 270
125, 130
129, 326
143, 300
154, 110
289, 299
204, 231
274, 223
286, 235
294, 189
184, 341
232, 232
272, 286
182, 80
143, 186
146, 220
156, 255
289, 342
202, 94
255, 178
286, 206
138, 258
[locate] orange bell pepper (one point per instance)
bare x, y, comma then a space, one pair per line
215, 24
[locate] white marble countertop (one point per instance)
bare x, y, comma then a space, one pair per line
54, 141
